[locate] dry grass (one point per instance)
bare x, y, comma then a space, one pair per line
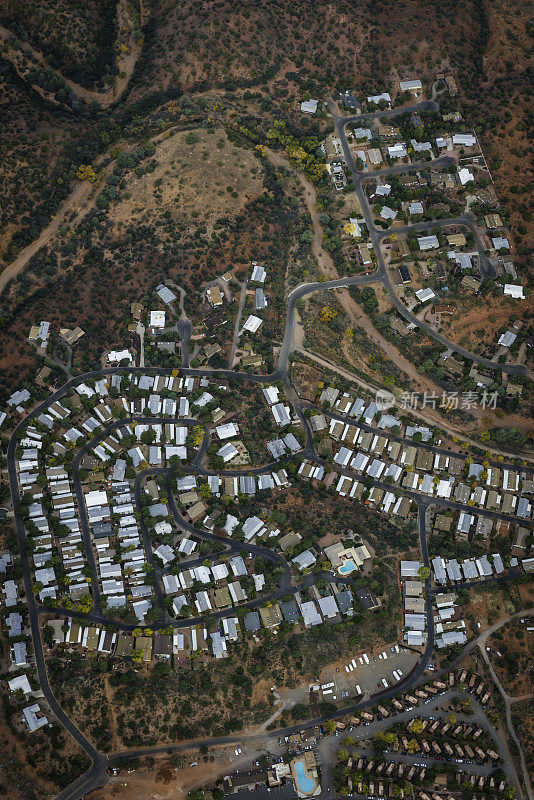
199, 175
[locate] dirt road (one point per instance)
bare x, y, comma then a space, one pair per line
82, 199
359, 318
431, 418
79, 195
328, 269
125, 64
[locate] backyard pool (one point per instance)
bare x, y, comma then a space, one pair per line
346, 567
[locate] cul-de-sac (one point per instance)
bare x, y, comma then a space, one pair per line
266, 454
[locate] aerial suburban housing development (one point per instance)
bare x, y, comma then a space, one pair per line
267, 467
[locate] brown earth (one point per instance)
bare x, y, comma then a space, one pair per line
199, 174
487, 606
148, 256
514, 666
477, 322
260, 44
162, 783
127, 50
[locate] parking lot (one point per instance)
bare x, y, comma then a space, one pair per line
368, 676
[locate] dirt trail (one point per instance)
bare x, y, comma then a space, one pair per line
116, 743
359, 318
79, 195
327, 267
79, 200
125, 64
322, 257
509, 722
428, 416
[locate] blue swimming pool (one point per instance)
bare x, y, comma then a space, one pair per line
305, 785
346, 567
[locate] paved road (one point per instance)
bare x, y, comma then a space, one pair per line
465, 220
381, 275
476, 768
97, 775
416, 413
401, 169
397, 438
423, 105
418, 497
237, 326
285, 585
59, 362
184, 331
328, 747
297, 294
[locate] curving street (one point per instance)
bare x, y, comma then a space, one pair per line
376, 236
97, 775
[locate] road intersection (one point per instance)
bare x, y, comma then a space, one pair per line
381, 275
96, 776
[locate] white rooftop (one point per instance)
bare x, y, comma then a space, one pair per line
514, 291
157, 319
309, 106
465, 176
252, 324
428, 242
424, 294
376, 98
406, 86
165, 294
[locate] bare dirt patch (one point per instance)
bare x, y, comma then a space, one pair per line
489, 604
477, 321
306, 378
514, 665
198, 174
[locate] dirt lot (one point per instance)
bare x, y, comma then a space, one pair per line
488, 604
514, 665
165, 781
199, 174
477, 322
306, 379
